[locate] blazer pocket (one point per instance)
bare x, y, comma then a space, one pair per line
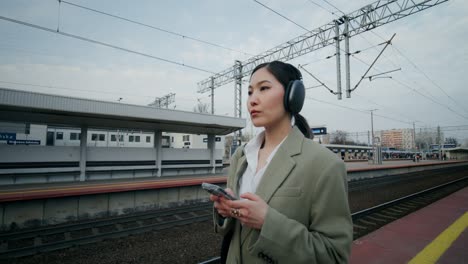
288, 192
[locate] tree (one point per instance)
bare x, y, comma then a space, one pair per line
465, 143
451, 140
201, 108
227, 147
246, 136
340, 137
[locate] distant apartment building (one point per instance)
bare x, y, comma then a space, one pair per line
397, 138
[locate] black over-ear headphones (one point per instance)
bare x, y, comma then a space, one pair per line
294, 96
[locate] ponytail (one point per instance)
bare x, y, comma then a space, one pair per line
303, 126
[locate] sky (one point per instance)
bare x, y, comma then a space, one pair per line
429, 47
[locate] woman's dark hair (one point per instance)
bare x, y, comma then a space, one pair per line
285, 73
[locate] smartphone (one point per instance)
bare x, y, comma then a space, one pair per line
216, 190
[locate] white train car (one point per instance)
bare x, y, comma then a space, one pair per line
63, 136
194, 141
66, 136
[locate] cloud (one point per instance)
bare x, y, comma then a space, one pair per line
432, 39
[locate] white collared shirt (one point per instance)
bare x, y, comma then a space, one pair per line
250, 179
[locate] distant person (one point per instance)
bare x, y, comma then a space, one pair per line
293, 205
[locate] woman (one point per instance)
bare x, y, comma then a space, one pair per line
293, 205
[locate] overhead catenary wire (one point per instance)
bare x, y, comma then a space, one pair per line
72, 89
358, 110
418, 92
315, 3
101, 43
321, 83
382, 38
58, 15
86, 90
423, 73
430, 97
387, 107
386, 41
430, 80
370, 67
265, 6
155, 28
444, 129
330, 4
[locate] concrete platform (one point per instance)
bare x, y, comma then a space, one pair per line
33, 205
356, 170
53, 190
437, 233
30, 205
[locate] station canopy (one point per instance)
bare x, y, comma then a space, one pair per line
39, 108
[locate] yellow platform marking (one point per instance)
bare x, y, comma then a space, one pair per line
432, 252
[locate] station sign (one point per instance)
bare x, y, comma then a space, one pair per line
319, 130
7, 136
217, 139
23, 142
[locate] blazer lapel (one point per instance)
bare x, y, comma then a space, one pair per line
241, 166
278, 170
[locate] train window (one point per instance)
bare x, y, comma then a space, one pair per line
121, 139
113, 138
137, 138
102, 137
186, 138
73, 136
148, 139
131, 138
59, 136
165, 141
94, 137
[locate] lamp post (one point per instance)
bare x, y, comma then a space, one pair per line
373, 137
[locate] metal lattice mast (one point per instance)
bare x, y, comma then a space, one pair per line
212, 95
338, 59
348, 71
238, 93
163, 101
364, 19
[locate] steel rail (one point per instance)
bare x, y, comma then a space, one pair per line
360, 214
378, 208
50, 230
96, 236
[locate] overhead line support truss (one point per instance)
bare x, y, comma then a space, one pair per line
364, 19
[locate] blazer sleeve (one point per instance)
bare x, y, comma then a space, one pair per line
223, 225
328, 237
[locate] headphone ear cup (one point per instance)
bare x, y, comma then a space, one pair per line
294, 96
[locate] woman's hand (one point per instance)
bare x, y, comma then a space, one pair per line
220, 203
251, 211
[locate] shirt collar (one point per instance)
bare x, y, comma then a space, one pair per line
252, 148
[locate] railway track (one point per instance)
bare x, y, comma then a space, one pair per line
368, 220
30, 242
369, 183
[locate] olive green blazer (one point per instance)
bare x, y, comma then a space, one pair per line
308, 219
